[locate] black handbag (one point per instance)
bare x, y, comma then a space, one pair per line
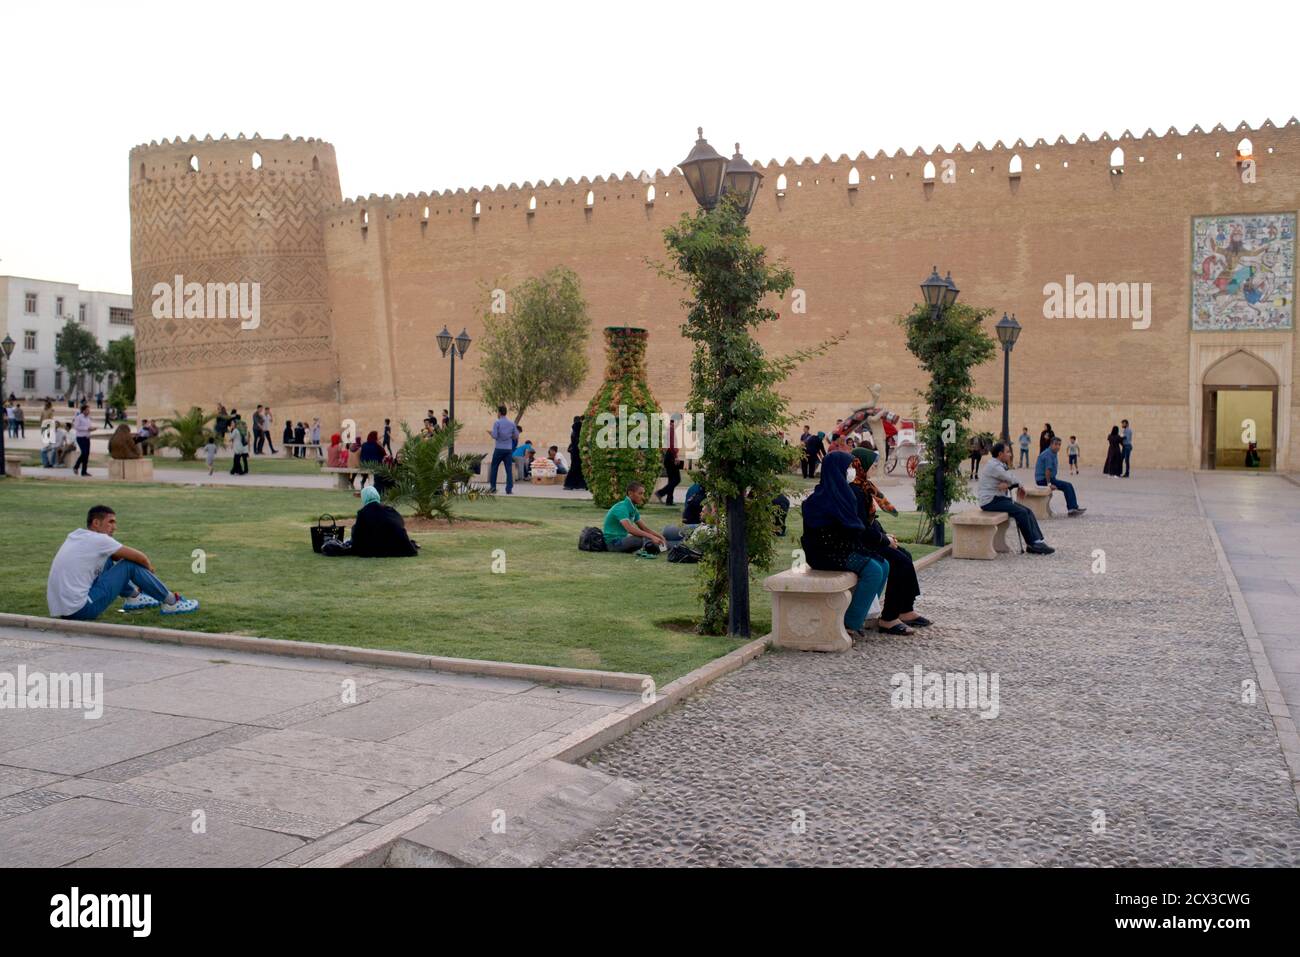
320, 534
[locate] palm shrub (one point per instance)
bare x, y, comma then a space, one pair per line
188, 432
610, 460
426, 476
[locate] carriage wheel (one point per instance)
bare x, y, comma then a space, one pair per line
891, 463
912, 462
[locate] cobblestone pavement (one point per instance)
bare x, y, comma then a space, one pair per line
1121, 736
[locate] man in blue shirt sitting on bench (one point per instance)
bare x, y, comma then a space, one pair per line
1047, 471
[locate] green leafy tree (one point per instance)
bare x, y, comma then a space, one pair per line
734, 384
534, 345
188, 432
79, 353
426, 477
120, 360
949, 349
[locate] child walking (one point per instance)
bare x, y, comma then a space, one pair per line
1073, 450
210, 452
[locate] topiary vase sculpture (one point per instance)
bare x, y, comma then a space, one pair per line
622, 435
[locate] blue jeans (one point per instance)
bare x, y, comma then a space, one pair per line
1071, 501
1024, 457
678, 533
119, 579
502, 456
1128, 453
872, 574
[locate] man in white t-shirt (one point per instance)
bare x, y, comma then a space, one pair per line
92, 570
558, 457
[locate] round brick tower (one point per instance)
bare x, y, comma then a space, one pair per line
241, 218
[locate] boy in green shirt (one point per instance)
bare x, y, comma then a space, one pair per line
624, 530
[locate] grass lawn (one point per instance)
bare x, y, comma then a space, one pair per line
265, 464
552, 605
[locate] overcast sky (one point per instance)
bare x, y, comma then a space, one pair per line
431, 97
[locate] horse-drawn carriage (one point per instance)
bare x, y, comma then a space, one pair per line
900, 436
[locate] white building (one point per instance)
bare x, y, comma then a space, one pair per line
34, 311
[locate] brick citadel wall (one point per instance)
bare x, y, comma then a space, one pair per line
250, 212
859, 233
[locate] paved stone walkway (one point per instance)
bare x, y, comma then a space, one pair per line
1121, 738
1257, 518
282, 768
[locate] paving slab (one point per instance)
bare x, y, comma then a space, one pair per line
283, 766
235, 775
521, 823
129, 735
372, 760
485, 728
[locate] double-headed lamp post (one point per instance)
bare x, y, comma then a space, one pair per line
462, 342
1008, 332
711, 176
939, 295
7, 347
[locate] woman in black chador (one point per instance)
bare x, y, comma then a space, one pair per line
575, 479
1115, 454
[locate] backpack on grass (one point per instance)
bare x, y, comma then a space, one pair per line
591, 540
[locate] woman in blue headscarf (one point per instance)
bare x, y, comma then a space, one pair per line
833, 539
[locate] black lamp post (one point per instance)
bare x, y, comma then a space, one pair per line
1008, 332
711, 177
462, 342
7, 347
939, 295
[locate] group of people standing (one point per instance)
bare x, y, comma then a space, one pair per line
1119, 449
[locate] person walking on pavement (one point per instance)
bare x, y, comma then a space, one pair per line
82, 427
672, 464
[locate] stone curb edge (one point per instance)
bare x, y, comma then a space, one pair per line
370, 849
1283, 724
545, 674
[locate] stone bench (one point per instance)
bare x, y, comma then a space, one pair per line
979, 534
344, 482
130, 470
808, 609
14, 464
1038, 499
288, 447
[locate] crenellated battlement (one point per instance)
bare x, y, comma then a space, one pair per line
174, 158
863, 171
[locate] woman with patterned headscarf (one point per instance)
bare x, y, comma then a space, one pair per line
898, 617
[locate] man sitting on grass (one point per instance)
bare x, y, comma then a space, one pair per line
624, 530
92, 570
